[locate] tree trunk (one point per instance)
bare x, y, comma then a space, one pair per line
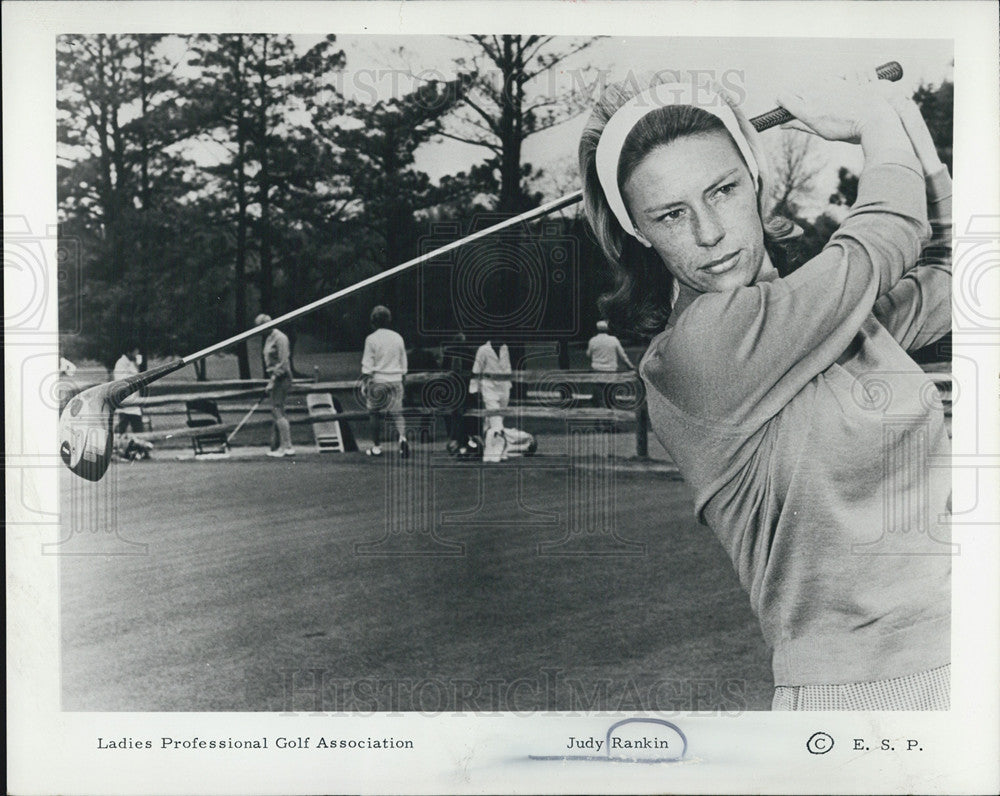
510, 188
143, 137
143, 236
266, 282
392, 231
241, 217
109, 178
510, 140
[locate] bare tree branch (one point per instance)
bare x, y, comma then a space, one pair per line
558, 59
794, 170
537, 45
473, 141
490, 119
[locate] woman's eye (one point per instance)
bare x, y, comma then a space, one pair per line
671, 215
727, 189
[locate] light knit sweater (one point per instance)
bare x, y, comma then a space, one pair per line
816, 447
384, 357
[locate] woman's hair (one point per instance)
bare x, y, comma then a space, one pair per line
641, 298
381, 317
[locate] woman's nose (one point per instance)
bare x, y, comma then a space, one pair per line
708, 227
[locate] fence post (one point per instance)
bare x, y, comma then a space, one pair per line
642, 431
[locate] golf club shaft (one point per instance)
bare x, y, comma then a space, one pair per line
246, 417
889, 71
530, 215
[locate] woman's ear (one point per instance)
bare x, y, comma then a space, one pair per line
642, 238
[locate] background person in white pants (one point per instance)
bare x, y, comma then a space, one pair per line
495, 394
129, 417
383, 366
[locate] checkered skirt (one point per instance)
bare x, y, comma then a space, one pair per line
927, 690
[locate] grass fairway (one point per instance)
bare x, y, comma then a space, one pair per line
252, 578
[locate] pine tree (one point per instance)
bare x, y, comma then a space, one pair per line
119, 175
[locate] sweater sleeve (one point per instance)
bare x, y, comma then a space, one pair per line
739, 356
621, 352
917, 311
368, 358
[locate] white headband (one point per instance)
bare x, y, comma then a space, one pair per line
609, 148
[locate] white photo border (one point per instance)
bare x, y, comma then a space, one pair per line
51, 751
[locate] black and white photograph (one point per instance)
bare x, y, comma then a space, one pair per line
491, 397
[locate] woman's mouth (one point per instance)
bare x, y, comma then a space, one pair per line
722, 264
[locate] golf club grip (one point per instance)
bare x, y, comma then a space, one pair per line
890, 71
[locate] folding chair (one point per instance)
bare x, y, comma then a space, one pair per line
327, 433
205, 412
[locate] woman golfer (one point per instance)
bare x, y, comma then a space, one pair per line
278, 363
789, 403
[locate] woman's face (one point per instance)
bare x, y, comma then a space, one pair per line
693, 201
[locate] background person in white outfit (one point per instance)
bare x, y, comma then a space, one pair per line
495, 394
383, 367
129, 417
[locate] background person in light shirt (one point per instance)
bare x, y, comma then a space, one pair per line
129, 417
278, 363
383, 366
604, 350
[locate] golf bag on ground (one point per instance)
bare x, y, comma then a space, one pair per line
129, 448
503, 443
494, 445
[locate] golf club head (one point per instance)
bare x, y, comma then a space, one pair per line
86, 435
86, 425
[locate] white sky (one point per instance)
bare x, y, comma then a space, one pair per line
762, 66
380, 66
